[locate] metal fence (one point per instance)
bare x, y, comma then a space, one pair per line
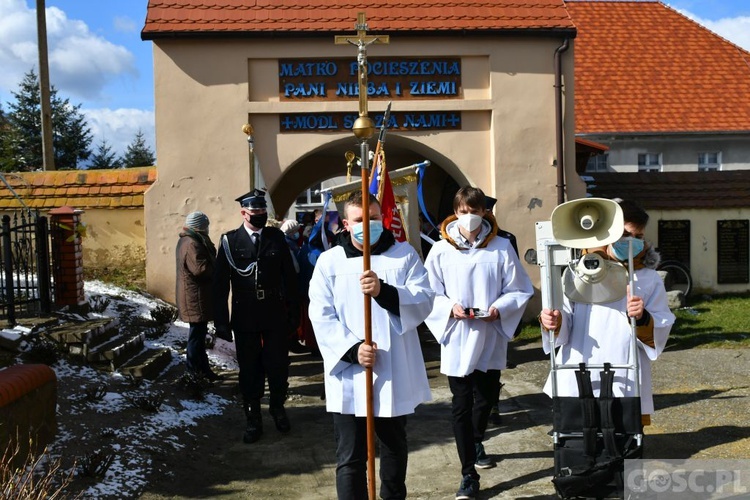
25, 283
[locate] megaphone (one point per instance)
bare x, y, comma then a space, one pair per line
587, 223
595, 280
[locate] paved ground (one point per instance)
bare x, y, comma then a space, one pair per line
703, 411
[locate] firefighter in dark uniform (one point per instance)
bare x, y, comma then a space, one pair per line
254, 261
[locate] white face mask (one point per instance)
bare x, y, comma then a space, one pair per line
469, 221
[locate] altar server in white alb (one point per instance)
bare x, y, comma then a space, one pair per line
599, 333
481, 293
402, 299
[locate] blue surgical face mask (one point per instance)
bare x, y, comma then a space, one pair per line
376, 229
620, 248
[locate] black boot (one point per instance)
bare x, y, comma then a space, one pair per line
254, 422
280, 419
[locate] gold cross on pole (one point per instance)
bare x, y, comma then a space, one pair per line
364, 127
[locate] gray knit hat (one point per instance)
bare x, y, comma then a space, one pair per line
197, 221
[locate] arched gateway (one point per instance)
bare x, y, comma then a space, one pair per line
484, 93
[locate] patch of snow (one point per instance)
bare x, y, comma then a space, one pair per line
127, 475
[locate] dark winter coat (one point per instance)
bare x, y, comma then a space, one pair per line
195, 270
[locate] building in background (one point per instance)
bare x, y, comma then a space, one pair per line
473, 87
486, 94
668, 104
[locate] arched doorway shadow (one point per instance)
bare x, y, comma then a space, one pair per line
441, 180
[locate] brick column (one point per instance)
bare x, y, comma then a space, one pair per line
67, 256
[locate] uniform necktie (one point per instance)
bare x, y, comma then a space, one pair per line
255, 237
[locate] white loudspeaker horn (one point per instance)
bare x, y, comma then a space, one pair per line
587, 223
595, 280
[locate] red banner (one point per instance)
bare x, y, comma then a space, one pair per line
391, 215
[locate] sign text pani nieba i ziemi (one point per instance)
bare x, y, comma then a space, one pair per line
387, 78
403, 78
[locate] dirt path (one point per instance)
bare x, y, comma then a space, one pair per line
702, 396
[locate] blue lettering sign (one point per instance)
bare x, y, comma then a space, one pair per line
453, 119
309, 122
352, 89
431, 120
336, 122
392, 122
410, 68
347, 89
377, 89
321, 68
432, 88
304, 89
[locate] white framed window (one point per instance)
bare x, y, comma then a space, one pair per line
311, 196
649, 162
708, 162
598, 163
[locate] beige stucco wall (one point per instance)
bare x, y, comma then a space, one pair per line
113, 237
206, 90
703, 243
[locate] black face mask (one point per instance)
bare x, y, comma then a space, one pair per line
258, 220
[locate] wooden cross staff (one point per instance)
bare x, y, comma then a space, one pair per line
364, 129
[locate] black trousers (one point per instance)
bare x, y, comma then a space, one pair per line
473, 398
260, 355
351, 456
197, 359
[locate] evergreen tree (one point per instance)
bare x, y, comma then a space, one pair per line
7, 138
71, 136
138, 153
104, 157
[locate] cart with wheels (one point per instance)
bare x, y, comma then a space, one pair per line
593, 436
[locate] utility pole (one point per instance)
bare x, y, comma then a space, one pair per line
48, 153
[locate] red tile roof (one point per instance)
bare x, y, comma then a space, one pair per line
83, 189
642, 67
169, 18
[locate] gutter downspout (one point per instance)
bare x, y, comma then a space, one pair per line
559, 122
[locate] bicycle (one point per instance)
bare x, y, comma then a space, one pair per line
677, 276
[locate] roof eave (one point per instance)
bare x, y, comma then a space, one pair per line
691, 133
523, 32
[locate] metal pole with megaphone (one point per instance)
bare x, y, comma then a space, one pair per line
634, 343
576, 225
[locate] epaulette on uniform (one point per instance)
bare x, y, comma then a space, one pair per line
229, 234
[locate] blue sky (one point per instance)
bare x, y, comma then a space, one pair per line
97, 58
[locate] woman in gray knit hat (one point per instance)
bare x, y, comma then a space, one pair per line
196, 258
